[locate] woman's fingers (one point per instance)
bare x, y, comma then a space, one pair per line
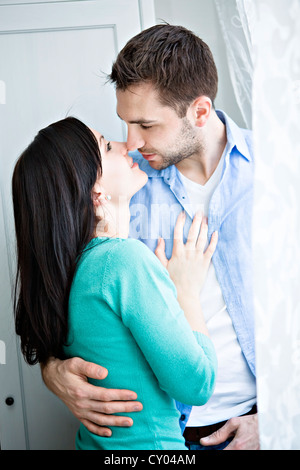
160, 252
178, 233
202, 238
194, 231
211, 247
197, 236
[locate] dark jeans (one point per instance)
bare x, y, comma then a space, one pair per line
198, 446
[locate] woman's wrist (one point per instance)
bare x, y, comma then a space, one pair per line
187, 294
191, 306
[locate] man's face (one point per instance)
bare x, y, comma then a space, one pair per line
161, 136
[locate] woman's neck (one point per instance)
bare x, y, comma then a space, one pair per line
116, 221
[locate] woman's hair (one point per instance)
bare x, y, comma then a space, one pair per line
176, 61
54, 220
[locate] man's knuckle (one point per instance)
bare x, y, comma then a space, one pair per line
234, 422
105, 395
107, 408
74, 363
238, 444
79, 394
216, 434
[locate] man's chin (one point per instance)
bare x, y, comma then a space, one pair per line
157, 165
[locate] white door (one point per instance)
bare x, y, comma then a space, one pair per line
53, 57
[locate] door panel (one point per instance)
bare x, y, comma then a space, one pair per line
54, 61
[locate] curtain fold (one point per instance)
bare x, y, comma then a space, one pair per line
235, 17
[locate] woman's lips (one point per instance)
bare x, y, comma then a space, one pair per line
132, 164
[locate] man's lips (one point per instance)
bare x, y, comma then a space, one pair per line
148, 156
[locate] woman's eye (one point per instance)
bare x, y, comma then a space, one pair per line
108, 146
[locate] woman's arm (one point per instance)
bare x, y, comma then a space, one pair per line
141, 292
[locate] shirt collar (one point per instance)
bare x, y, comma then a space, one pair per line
235, 138
235, 135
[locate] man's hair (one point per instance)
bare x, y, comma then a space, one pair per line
176, 61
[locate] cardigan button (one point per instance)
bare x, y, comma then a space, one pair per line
182, 417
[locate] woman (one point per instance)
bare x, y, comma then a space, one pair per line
86, 290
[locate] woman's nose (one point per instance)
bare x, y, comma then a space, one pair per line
124, 149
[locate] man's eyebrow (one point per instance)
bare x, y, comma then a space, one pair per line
139, 121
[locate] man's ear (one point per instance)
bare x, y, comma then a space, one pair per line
200, 110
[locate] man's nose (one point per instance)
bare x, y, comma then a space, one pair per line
134, 139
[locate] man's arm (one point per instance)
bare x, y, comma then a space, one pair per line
92, 405
243, 429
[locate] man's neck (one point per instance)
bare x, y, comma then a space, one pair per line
200, 167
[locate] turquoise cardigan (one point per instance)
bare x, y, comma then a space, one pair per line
124, 315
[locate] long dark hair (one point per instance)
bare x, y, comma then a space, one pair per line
54, 220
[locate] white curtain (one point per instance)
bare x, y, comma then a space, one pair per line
235, 18
271, 33
276, 125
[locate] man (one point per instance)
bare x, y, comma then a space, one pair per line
196, 158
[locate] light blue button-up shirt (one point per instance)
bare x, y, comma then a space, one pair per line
155, 208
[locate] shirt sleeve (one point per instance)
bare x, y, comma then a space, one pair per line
141, 292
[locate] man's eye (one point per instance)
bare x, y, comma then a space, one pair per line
145, 127
108, 146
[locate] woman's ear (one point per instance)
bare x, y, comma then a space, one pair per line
97, 195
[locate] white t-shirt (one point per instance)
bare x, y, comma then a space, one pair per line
235, 390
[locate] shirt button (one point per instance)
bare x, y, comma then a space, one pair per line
182, 417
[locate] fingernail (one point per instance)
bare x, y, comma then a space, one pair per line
131, 396
127, 423
101, 373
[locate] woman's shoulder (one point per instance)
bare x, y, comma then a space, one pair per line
133, 258
131, 252
123, 251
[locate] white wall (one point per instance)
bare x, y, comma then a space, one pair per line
200, 16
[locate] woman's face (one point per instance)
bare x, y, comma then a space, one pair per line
121, 178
